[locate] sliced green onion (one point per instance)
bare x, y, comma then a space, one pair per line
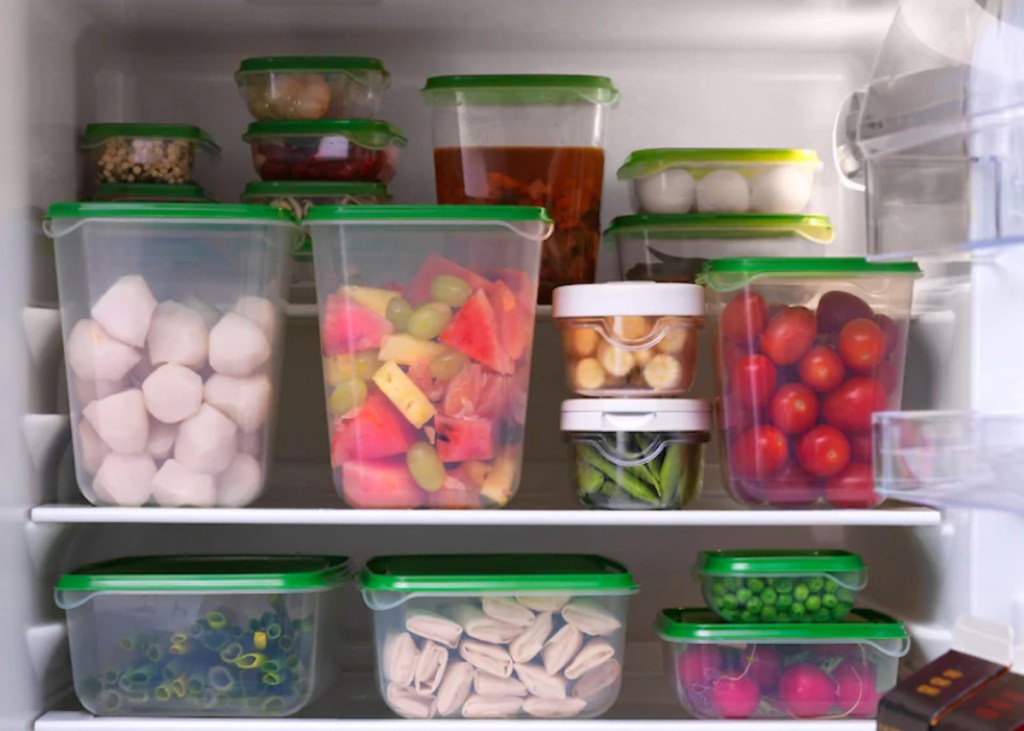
232, 652
220, 678
110, 700
250, 660
163, 692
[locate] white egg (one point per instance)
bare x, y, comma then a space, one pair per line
783, 189
723, 191
670, 191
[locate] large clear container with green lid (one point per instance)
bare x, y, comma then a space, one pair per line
172, 315
498, 636
146, 153
832, 670
203, 635
772, 586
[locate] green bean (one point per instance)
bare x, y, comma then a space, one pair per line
427, 321
672, 467
623, 478
425, 466
590, 479
450, 290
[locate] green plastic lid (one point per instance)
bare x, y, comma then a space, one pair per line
766, 563
704, 626
310, 64
519, 89
204, 211
142, 192
723, 226
370, 133
313, 189
642, 163
97, 133
726, 275
329, 214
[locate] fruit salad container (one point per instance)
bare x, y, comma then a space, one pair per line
835, 670
304, 88
780, 586
426, 331
805, 351
152, 193
498, 636
674, 248
348, 150
172, 320
708, 180
146, 153
527, 140
203, 635
629, 339
636, 454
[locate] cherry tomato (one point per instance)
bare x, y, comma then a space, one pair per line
860, 448
744, 318
753, 380
823, 451
836, 308
888, 375
746, 491
854, 487
822, 369
734, 416
791, 487
794, 408
862, 345
850, 406
758, 453
730, 353
890, 329
789, 335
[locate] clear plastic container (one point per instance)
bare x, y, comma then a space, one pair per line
635, 339
709, 180
152, 193
771, 587
636, 454
498, 636
805, 351
426, 330
203, 635
533, 140
348, 150
312, 87
146, 153
832, 670
172, 320
673, 248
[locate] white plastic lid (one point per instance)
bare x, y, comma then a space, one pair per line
636, 415
611, 299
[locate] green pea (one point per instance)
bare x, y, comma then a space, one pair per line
845, 595
730, 615
450, 290
829, 601
768, 596
744, 595
717, 589
830, 586
425, 466
755, 584
427, 321
448, 365
748, 618
797, 610
816, 584
755, 605
731, 583
785, 617
813, 603
785, 601
801, 592
729, 600
347, 396
784, 586
841, 611
822, 615
769, 614
398, 313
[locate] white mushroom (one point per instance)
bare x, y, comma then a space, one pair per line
94, 355
125, 309
175, 486
241, 483
121, 421
124, 479
237, 346
173, 393
245, 400
177, 334
206, 441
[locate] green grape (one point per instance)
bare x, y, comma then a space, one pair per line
425, 466
398, 313
448, 365
427, 321
450, 290
801, 592
755, 584
346, 396
744, 595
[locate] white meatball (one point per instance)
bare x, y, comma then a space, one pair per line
259, 310
670, 191
177, 334
124, 479
245, 400
241, 483
125, 309
207, 441
121, 421
94, 355
175, 486
784, 189
237, 346
723, 191
173, 393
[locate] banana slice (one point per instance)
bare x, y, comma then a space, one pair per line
643, 357
631, 327
615, 361
676, 339
588, 374
663, 372
582, 341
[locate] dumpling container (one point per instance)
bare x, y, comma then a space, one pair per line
806, 350
832, 670
348, 150
146, 153
709, 180
636, 454
426, 332
312, 87
152, 193
175, 636
498, 636
629, 339
673, 247
172, 320
780, 586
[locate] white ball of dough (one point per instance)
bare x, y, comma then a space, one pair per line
175, 486
121, 421
124, 479
723, 191
177, 334
238, 346
173, 393
125, 309
670, 191
783, 189
245, 400
241, 483
91, 449
252, 443
261, 311
94, 355
160, 444
207, 441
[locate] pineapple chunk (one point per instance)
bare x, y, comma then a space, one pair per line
402, 392
496, 481
407, 350
369, 297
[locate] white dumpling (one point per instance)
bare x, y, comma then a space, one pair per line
723, 191
173, 393
177, 334
241, 483
238, 346
93, 355
207, 441
124, 479
121, 421
783, 189
125, 309
176, 486
245, 400
670, 191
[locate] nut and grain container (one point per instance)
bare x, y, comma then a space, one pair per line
146, 153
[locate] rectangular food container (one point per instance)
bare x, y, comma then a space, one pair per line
312, 87
832, 670
146, 153
709, 180
152, 193
674, 248
203, 635
426, 331
498, 636
636, 454
533, 140
780, 586
347, 150
629, 339
806, 350
172, 320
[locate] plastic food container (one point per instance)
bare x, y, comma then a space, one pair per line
500, 636
152, 193
633, 339
708, 180
533, 140
636, 454
805, 351
312, 87
780, 586
146, 153
673, 248
831, 670
426, 331
172, 322
202, 635
345, 150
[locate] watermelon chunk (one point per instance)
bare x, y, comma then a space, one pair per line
459, 440
476, 391
457, 493
377, 430
514, 327
474, 331
524, 288
385, 485
433, 266
349, 327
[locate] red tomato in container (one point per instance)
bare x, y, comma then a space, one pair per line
794, 408
822, 369
837, 308
862, 345
758, 453
850, 406
890, 330
854, 487
789, 335
888, 375
791, 487
860, 448
734, 416
744, 318
823, 451
753, 380
730, 354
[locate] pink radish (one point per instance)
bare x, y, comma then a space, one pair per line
765, 666
857, 693
806, 691
735, 697
699, 665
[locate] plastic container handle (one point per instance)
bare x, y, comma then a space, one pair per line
838, 147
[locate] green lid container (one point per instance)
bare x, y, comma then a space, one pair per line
372, 134
519, 89
98, 133
328, 214
722, 226
313, 189
726, 275
152, 193
313, 65
780, 563
642, 163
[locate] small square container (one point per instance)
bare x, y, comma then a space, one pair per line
780, 586
636, 454
347, 150
629, 339
146, 153
710, 180
832, 670
152, 193
249, 636
312, 87
498, 636
674, 247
